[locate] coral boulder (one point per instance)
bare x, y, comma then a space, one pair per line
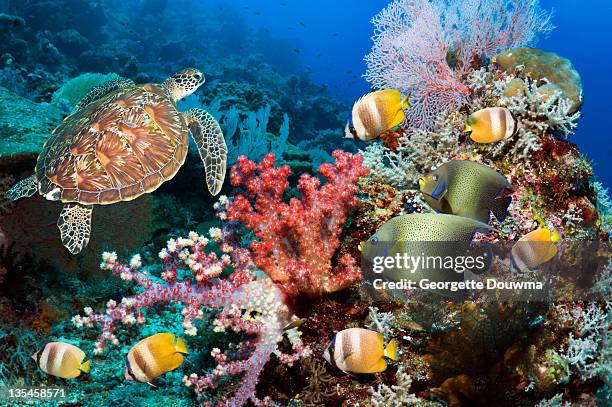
558, 72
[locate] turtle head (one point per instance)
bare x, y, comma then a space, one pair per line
184, 83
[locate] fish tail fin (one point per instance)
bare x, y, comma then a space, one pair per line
555, 237
405, 102
500, 207
390, 350
85, 366
180, 346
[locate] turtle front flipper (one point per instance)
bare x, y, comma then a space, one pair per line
98, 91
74, 224
23, 189
208, 136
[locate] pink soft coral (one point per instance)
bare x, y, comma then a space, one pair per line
247, 305
425, 48
297, 240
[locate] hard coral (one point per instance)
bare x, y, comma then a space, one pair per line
555, 71
297, 240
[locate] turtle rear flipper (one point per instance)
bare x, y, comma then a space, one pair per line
208, 136
98, 91
23, 189
74, 224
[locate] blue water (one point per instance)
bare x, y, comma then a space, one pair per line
333, 36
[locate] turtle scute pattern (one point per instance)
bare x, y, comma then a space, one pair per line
116, 148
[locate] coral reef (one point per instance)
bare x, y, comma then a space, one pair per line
296, 241
261, 299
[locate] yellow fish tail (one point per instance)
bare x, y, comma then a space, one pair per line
555, 236
180, 346
85, 366
390, 350
405, 103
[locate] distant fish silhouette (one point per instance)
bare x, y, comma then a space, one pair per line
302, 24
296, 50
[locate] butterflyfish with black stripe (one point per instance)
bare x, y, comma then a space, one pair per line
154, 356
359, 351
490, 125
375, 113
62, 360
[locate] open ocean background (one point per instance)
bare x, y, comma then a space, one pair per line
333, 36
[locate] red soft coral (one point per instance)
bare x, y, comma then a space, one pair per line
297, 240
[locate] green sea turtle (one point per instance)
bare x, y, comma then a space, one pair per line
124, 140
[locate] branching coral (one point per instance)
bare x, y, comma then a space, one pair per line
381, 322
297, 240
425, 47
249, 306
604, 206
398, 394
589, 351
416, 155
539, 107
555, 401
